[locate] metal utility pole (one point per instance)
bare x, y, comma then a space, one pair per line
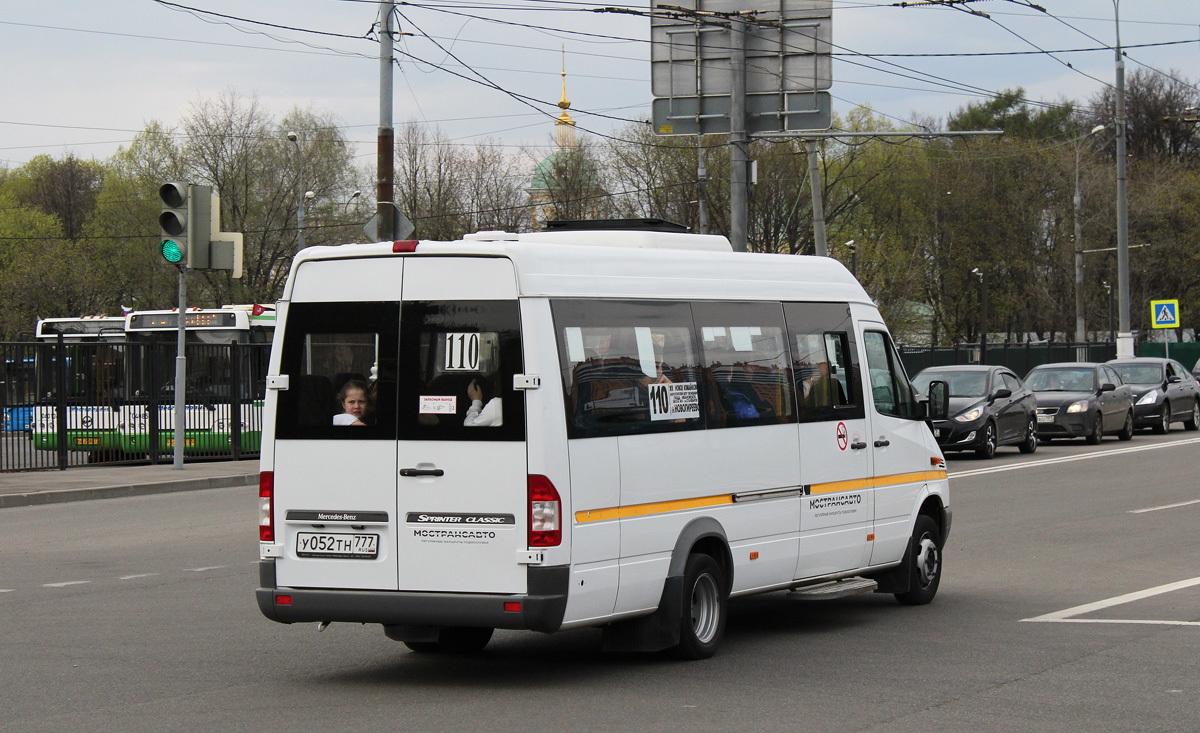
702, 178
1080, 322
180, 373
739, 153
385, 157
1125, 331
821, 247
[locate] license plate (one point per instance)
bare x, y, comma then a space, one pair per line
330, 544
187, 442
1045, 418
87, 441
937, 432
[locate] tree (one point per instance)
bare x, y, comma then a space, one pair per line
1156, 113
65, 189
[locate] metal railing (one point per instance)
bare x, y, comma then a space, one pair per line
68, 404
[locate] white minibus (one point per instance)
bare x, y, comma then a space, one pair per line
596, 427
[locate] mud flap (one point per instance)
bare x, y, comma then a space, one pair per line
899, 578
658, 631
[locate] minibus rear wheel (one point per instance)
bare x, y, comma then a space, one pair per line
925, 563
704, 598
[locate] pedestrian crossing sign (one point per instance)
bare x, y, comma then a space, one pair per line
1164, 313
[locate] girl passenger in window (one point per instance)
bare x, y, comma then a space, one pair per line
353, 400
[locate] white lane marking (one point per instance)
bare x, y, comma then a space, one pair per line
1138, 622
1070, 459
1164, 506
6, 590
65, 584
139, 575
201, 570
1117, 601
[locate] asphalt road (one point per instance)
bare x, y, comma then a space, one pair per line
138, 615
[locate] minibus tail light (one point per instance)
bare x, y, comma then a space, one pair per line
403, 246
545, 513
266, 506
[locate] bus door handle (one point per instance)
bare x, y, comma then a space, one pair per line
882, 442
422, 472
858, 446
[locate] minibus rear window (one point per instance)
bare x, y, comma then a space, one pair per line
340, 359
458, 360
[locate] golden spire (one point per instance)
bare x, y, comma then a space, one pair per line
564, 118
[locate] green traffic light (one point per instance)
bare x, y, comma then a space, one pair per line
171, 251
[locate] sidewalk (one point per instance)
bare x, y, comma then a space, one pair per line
107, 482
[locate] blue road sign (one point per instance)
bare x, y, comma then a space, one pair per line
1165, 313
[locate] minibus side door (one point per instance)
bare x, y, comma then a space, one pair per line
899, 444
835, 459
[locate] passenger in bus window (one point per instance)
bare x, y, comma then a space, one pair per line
353, 400
820, 390
483, 412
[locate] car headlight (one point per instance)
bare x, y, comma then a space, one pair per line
970, 415
1149, 398
1080, 406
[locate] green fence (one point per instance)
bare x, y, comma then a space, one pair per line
1023, 357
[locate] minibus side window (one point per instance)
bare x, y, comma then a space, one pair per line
628, 367
892, 392
824, 361
746, 367
457, 362
340, 359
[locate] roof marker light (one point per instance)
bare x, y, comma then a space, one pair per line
406, 245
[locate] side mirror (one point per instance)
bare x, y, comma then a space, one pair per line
1107, 387
1174, 379
1002, 393
939, 401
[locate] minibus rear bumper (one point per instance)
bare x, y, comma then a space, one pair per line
540, 609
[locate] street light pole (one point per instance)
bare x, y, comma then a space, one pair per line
295, 140
1125, 332
1080, 322
983, 314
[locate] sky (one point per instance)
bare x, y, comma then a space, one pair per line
84, 76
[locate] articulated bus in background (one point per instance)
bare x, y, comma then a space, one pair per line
116, 372
225, 346
91, 377
610, 428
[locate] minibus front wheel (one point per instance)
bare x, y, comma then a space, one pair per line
702, 623
924, 557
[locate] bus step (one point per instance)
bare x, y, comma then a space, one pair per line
834, 589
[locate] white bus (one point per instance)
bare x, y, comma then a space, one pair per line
586, 428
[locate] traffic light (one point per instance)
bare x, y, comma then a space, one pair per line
186, 223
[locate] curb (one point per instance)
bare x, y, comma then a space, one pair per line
58, 496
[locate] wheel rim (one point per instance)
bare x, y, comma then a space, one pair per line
1098, 428
928, 561
1166, 417
706, 608
1031, 438
1196, 413
989, 439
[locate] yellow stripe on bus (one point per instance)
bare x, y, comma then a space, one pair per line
662, 507
657, 507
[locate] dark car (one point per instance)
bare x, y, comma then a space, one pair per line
989, 407
1081, 399
1163, 392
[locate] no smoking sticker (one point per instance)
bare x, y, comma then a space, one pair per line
842, 436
